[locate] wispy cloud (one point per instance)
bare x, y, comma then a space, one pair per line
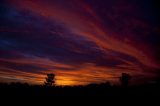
75, 40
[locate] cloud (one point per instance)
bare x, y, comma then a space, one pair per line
76, 40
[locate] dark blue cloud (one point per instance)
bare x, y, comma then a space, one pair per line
25, 34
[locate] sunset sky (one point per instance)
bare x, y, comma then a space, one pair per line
80, 41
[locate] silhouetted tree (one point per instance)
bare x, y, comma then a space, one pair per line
50, 80
124, 79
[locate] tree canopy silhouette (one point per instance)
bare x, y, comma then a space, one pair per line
124, 79
50, 80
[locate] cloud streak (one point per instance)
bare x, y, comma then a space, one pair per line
73, 40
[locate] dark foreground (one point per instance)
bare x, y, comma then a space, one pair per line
94, 91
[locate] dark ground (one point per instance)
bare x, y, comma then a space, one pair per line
102, 94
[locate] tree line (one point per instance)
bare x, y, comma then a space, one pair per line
124, 79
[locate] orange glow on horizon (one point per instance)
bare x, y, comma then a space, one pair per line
65, 81
84, 51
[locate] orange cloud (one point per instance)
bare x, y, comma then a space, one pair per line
81, 21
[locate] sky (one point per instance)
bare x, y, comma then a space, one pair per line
80, 41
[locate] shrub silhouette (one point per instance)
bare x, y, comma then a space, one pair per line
50, 80
124, 79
